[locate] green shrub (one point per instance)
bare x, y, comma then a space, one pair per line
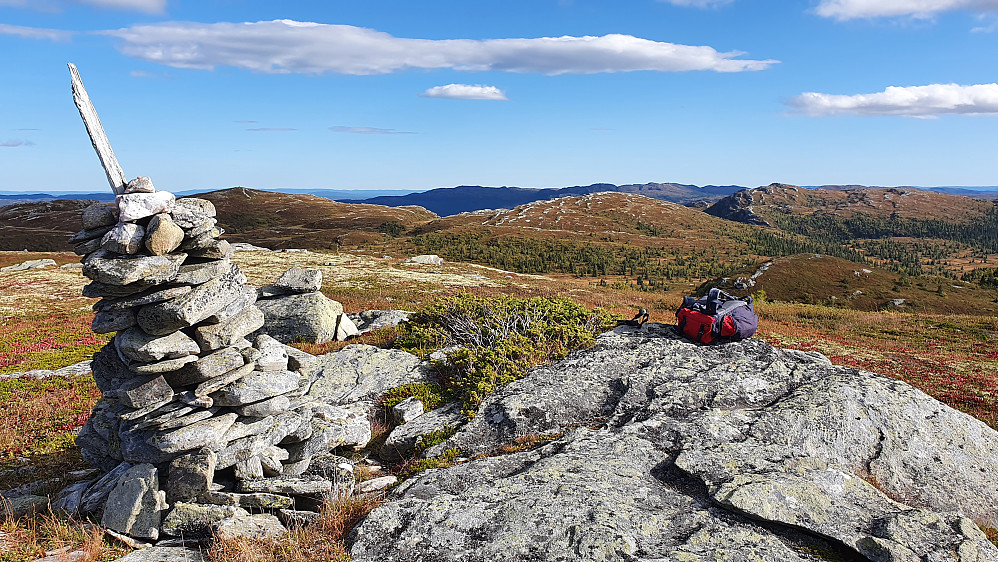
498, 338
447, 459
432, 396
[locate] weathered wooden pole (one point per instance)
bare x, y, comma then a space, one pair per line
115, 175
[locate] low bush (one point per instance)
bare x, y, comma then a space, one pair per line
494, 340
431, 395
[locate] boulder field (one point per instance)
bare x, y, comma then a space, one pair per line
673, 451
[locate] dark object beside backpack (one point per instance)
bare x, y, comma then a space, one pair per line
717, 317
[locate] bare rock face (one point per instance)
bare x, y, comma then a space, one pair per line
686, 452
310, 317
135, 504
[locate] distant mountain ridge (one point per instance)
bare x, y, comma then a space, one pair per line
446, 201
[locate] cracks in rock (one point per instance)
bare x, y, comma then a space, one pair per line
878, 450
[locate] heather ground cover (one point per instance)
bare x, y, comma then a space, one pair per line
45, 324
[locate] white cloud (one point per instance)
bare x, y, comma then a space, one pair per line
698, 3
368, 131
272, 129
15, 143
286, 46
912, 101
147, 6
465, 92
35, 32
921, 9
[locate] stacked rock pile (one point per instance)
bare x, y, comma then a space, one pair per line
198, 426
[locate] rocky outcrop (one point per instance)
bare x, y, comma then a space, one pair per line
684, 452
738, 207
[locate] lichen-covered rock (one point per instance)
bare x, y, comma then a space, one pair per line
216, 336
206, 433
368, 320
135, 504
124, 238
253, 526
256, 386
362, 373
732, 452
309, 317
192, 520
113, 269
299, 280
135, 206
98, 215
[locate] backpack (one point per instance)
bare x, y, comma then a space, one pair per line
717, 317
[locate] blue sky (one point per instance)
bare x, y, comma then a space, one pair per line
386, 94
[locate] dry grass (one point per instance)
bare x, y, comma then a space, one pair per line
322, 540
32, 538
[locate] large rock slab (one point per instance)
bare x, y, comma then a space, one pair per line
309, 317
407, 439
731, 452
362, 373
256, 386
114, 269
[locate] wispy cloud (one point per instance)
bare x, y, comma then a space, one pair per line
245, 122
368, 131
272, 129
286, 46
35, 32
465, 92
698, 3
146, 6
919, 9
16, 143
912, 101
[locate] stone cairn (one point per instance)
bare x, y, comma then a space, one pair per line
197, 426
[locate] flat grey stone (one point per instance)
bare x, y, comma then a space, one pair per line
90, 234
165, 554
114, 269
30, 264
204, 226
265, 408
426, 259
140, 392
254, 526
133, 507
299, 280
124, 238
297, 359
273, 355
70, 499
256, 386
215, 249
214, 384
205, 433
99, 215
143, 298
376, 484
203, 301
294, 486
188, 212
246, 297
368, 320
259, 500
166, 366
95, 290
190, 475
163, 235
249, 469
109, 321
407, 410
208, 367
216, 336
195, 520
137, 345
183, 421
87, 247
309, 317
197, 271
332, 427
